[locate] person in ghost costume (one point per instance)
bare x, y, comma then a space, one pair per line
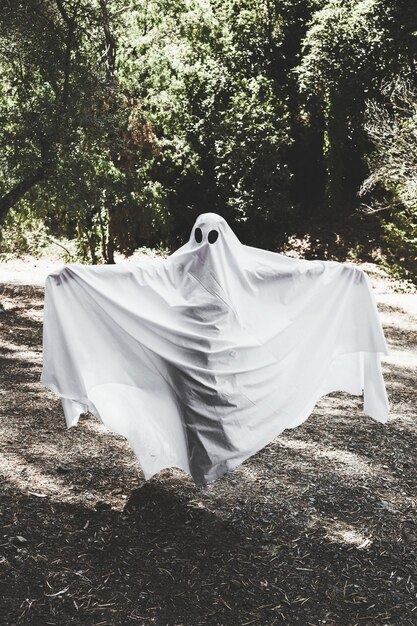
204, 357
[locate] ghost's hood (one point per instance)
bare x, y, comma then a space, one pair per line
213, 254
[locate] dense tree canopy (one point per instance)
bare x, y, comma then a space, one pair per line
121, 120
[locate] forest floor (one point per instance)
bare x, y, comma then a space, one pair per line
319, 527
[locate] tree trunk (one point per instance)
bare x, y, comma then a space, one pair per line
110, 55
18, 191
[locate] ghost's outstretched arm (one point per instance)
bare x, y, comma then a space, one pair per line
271, 267
68, 272
89, 312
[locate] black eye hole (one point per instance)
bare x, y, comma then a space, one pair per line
212, 236
198, 235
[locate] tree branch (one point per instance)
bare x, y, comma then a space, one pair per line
18, 191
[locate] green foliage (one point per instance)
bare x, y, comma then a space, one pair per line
349, 49
24, 233
252, 174
122, 120
392, 183
71, 136
202, 71
401, 242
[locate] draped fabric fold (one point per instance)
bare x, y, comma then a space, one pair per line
203, 358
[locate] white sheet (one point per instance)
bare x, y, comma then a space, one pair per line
202, 358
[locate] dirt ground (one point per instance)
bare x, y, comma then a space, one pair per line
319, 527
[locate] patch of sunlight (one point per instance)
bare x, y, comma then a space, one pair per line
33, 314
351, 462
405, 419
32, 482
345, 534
392, 322
24, 355
403, 358
27, 477
246, 473
8, 304
33, 388
405, 301
27, 271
